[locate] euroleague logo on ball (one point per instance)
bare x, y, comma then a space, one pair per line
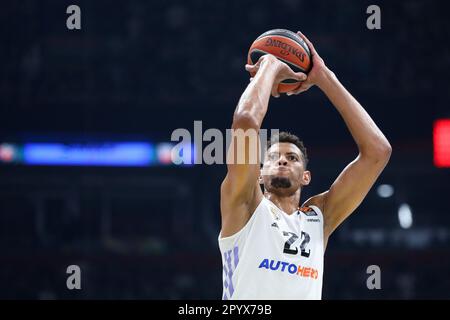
286, 48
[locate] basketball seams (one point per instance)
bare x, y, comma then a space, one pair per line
262, 39
286, 34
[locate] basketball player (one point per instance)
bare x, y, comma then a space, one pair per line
271, 248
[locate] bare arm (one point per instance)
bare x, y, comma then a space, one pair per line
355, 181
240, 192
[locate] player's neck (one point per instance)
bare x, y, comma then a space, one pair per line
288, 204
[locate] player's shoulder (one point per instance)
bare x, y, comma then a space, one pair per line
307, 210
316, 201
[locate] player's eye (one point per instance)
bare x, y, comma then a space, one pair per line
273, 156
292, 158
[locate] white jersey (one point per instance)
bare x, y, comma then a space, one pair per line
275, 255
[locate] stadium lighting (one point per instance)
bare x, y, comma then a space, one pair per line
405, 216
385, 190
441, 143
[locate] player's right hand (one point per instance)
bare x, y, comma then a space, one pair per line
282, 71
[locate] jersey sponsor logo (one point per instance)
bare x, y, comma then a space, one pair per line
309, 212
313, 220
286, 267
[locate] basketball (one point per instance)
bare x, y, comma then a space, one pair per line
288, 47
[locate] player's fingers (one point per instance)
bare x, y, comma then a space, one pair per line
296, 92
250, 67
302, 90
303, 87
309, 43
275, 92
300, 76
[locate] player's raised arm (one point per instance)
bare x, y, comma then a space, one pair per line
355, 181
240, 192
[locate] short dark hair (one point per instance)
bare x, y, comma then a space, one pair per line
285, 136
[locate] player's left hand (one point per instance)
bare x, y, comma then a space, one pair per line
318, 72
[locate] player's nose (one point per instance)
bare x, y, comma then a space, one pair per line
282, 161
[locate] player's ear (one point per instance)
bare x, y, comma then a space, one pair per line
306, 178
260, 178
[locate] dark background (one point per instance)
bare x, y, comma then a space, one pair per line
140, 69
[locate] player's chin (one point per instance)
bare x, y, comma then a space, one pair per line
278, 182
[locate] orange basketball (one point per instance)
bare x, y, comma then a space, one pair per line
287, 46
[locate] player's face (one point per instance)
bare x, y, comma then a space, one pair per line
283, 171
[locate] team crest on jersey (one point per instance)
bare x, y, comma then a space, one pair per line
309, 212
